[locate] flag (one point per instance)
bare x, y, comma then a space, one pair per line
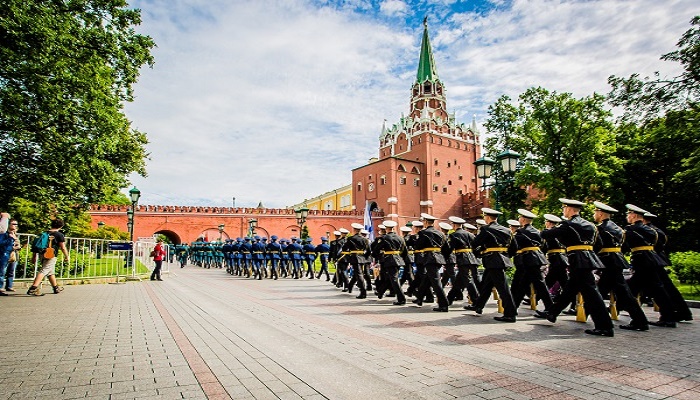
368, 222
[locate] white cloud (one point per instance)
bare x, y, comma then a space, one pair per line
393, 7
276, 101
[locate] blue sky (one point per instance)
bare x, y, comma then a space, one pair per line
277, 101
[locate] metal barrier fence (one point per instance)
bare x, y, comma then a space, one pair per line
91, 258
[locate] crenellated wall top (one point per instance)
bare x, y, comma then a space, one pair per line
216, 210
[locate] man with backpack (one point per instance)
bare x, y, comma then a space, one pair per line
46, 247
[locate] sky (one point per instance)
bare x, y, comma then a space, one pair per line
276, 101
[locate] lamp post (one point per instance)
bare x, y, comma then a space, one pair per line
301, 214
509, 164
100, 225
221, 232
134, 195
252, 224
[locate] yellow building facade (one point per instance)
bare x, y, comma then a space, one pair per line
337, 199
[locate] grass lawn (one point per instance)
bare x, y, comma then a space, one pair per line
689, 292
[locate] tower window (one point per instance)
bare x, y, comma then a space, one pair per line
416, 181
444, 189
460, 177
449, 164
382, 180
435, 161
359, 187
435, 188
437, 173
402, 180
449, 183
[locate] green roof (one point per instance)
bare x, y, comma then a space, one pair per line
426, 64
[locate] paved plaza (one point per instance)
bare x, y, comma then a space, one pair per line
205, 334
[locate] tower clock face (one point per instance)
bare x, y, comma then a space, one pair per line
370, 187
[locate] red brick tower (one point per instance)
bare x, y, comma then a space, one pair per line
425, 160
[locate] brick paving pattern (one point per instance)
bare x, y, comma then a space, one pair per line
203, 334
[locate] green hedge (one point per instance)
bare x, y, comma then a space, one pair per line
686, 265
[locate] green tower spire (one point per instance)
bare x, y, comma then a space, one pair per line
426, 64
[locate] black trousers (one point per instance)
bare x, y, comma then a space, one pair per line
463, 280
523, 278
647, 279
156, 271
496, 278
582, 280
390, 281
432, 280
556, 274
417, 280
448, 274
681, 308
612, 280
358, 276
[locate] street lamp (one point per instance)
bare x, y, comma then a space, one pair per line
509, 164
221, 232
302, 214
134, 195
100, 225
252, 224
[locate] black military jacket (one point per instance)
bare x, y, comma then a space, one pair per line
355, 250
430, 238
576, 231
556, 258
608, 248
396, 247
526, 250
410, 241
660, 246
461, 242
493, 236
637, 237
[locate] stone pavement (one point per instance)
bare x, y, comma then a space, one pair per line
205, 334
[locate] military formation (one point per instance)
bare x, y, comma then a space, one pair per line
571, 266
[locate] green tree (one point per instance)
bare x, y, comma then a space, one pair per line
567, 145
660, 132
66, 69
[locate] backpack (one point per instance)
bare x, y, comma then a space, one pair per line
40, 243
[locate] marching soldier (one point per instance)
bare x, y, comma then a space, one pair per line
247, 252
274, 253
609, 250
647, 265
529, 261
448, 274
294, 250
557, 274
683, 313
432, 245
341, 264
354, 251
417, 259
579, 236
407, 275
391, 253
323, 253
492, 243
461, 242
309, 251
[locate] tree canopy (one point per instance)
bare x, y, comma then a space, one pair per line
66, 69
567, 143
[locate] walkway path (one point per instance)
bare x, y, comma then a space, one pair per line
204, 334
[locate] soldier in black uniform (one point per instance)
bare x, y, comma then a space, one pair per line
529, 261
683, 313
492, 243
334, 254
579, 236
647, 265
432, 246
391, 252
557, 273
354, 252
341, 264
407, 275
417, 259
609, 250
461, 243
448, 272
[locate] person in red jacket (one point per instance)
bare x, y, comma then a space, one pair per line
158, 255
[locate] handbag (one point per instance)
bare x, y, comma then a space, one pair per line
153, 253
13, 256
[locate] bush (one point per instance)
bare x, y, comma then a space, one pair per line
686, 265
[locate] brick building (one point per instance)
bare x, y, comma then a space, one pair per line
425, 161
